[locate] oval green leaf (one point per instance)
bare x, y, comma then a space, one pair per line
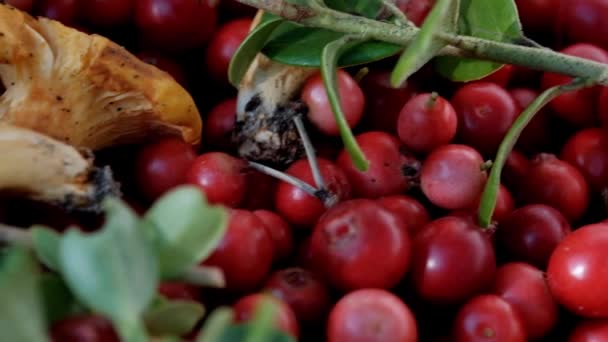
59, 302
173, 317
46, 245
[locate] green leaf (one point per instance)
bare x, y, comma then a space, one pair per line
187, 228
21, 311
58, 300
442, 18
173, 317
113, 271
366, 8
46, 243
328, 71
241, 332
216, 325
249, 48
496, 20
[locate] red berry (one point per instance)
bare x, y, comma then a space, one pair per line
587, 150
84, 328
320, 113
583, 20
577, 107
452, 260
485, 111
371, 315
577, 272
501, 76
24, 5
505, 204
602, 106
416, 11
164, 63
303, 291
259, 193
220, 124
64, 11
590, 331
531, 233
529, 11
488, 318
279, 231
224, 43
451, 176
536, 135
524, 287
350, 239
176, 24
162, 166
412, 212
390, 172
106, 13
245, 252
299, 207
246, 307
515, 170
220, 176
179, 291
426, 122
556, 183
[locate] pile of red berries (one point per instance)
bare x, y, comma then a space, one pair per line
401, 257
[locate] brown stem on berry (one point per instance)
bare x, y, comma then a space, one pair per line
14, 235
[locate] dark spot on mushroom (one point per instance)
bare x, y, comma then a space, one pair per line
59, 98
119, 109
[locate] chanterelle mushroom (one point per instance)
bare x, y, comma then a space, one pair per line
84, 89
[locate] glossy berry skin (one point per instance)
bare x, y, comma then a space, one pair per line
587, 150
426, 122
411, 211
280, 232
220, 124
285, 320
390, 172
260, 191
106, 13
578, 107
179, 291
383, 103
452, 260
532, 232
556, 183
485, 111
529, 11
162, 165
524, 287
224, 43
451, 176
300, 208
577, 272
220, 176
505, 204
84, 328
590, 331
352, 101
304, 292
164, 63
501, 76
176, 24
583, 20
515, 169
416, 11
64, 11
536, 135
245, 253
24, 5
488, 318
602, 106
371, 315
352, 238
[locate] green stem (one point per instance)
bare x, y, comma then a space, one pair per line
490, 193
463, 46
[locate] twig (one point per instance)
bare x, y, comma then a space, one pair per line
310, 153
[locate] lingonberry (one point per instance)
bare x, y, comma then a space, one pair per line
285, 320
24, 5
411, 211
180, 291
224, 43
583, 20
501, 76
505, 204
532, 22
106, 13
426, 122
587, 150
83, 328
452, 177
536, 136
516, 168
371, 315
279, 231
260, 191
590, 331
64, 11
164, 63
359, 244
416, 11
220, 124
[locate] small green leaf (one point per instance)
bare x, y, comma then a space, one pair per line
187, 228
113, 271
173, 317
442, 18
46, 243
496, 20
329, 57
249, 48
240, 333
21, 311
216, 325
58, 300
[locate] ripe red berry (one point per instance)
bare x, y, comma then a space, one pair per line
416, 11
84, 328
583, 20
24, 5
64, 11
224, 43
485, 111
350, 239
162, 165
587, 150
179, 291
577, 107
285, 320
501, 76
279, 231
259, 193
320, 113
536, 136
451, 176
245, 253
590, 331
452, 260
299, 207
556, 183
532, 22
303, 291
371, 315
411, 211
516, 168
505, 204
426, 122
220, 176
164, 63
106, 13
602, 106
391, 171
220, 124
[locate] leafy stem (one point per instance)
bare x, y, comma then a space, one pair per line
490, 193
